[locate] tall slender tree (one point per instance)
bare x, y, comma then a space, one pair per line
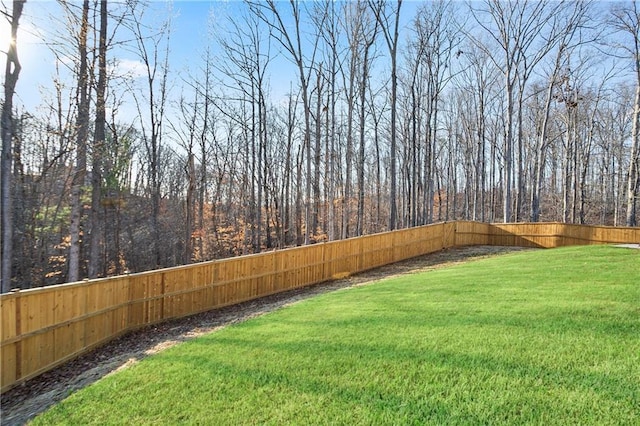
98, 147
572, 20
389, 21
524, 32
11, 74
151, 102
626, 19
290, 38
82, 134
369, 30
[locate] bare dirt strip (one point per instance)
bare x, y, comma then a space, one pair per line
27, 400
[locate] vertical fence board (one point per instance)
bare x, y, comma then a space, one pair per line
137, 315
201, 276
30, 355
120, 319
375, 251
280, 265
448, 234
9, 361
95, 296
155, 290
8, 316
8, 364
335, 263
174, 300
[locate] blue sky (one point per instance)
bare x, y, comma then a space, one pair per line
190, 28
38, 63
189, 36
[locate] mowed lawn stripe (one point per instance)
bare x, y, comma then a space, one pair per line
548, 336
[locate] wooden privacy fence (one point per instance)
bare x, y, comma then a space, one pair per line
44, 327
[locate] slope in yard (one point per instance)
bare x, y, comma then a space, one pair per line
529, 337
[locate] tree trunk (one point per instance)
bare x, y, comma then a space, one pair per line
361, 149
82, 129
317, 153
634, 158
12, 71
393, 209
330, 153
204, 159
391, 37
346, 196
541, 147
98, 146
190, 207
508, 150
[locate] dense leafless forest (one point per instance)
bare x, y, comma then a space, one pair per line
394, 117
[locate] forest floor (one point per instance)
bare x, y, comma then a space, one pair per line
27, 400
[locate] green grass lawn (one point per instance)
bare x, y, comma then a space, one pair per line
534, 337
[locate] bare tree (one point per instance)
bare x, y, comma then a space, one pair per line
369, 30
572, 22
328, 20
153, 51
292, 41
612, 131
524, 33
82, 134
389, 21
626, 19
98, 146
437, 39
186, 131
245, 62
353, 27
208, 127
317, 151
478, 81
12, 72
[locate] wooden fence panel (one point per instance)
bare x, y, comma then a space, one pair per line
145, 298
11, 331
36, 319
377, 250
106, 309
288, 269
339, 258
280, 261
501, 237
69, 307
227, 285
471, 233
297, 264
523, 235
44, 327
421, 240
264, 271
402, 244
315, 271
448, 234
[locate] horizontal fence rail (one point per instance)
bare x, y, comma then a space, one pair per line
45, 327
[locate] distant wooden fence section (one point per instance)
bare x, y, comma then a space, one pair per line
44, 327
